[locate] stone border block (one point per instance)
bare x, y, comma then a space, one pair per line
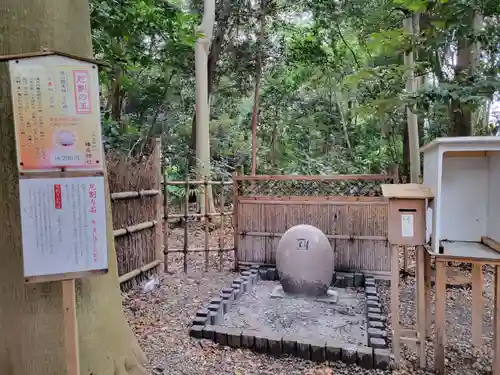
318, 350
349, 280
303, 350
274, 345
340, 281
196, 331
365, 357
200, 320
359, 279
209, 332
248, 339
349, 354
376, 331
234, 337
260, 343
333, 351
272, 274
289, 345
382, 359
220, 335
263, 274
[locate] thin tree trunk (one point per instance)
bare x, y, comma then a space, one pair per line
202, 103
32, 336
461, 113
258, 77
411, 116
213, 58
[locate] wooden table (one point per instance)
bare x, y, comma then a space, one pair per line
477, 254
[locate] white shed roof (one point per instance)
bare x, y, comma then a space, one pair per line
457, 142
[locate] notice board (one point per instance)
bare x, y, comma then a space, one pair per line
56, 114
60, 156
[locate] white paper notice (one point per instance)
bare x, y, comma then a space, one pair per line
407, 225
63, 225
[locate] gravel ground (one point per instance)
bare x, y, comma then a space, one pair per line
461, 357
160, 320
343, 321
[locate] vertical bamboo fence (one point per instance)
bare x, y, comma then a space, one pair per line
349, 209
206, 217
137, 208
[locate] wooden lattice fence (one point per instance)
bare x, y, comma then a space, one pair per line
186, 213
349, 209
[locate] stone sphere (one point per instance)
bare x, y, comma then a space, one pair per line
305, 261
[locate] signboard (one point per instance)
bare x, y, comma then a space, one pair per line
63, 225
407, 226
56, 114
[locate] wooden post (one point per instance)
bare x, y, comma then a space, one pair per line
440, 325
421, 307
477, 304
236, 235
395, 303
70, 327
428, 287
165, 217
186, 213
221, 230
496, 320
159, 208
205, 197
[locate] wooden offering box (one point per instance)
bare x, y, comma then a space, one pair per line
407, 210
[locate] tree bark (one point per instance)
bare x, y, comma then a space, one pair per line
410, 112
467, 57
31, 340
202, 102
213, 58
258, 78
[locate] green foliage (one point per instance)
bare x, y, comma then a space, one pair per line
332, 97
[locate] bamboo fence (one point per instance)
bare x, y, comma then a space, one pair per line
137, 209
201, 186
349, 209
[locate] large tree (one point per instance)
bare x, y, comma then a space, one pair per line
31, 340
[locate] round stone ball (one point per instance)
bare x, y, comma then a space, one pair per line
305, 261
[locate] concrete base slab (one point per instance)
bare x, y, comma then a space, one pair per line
331, 296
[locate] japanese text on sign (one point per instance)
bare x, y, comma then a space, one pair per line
56, 114
64, 225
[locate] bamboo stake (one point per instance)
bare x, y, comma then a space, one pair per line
201, 249
205, 196
235, 219
165, 214
192, 215
198, 182
134, 228
130, 275
186, 208
134, 194
159, 208
221, 230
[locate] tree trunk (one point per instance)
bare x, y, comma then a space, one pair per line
258, 78
410, 112
202, 103
468, 52
213, 58
32, 336
116, 95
